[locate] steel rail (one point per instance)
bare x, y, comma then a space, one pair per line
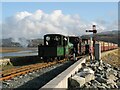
9, 74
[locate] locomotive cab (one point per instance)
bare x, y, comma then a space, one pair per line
75, 40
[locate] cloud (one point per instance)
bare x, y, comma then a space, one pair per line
35, 25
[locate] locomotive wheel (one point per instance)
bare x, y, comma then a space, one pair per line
46, 59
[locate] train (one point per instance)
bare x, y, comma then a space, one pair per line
58, 46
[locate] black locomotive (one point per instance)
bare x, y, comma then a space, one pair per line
60, 46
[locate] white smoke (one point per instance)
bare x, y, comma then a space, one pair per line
22, 41
28, 25
35, 25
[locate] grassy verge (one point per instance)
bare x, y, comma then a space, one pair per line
113, 58
7, 67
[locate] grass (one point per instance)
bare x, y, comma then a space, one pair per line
14, 49
7, 67
113, 58
9, 49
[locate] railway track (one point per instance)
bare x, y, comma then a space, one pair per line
9, 74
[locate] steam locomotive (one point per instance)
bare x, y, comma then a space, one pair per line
60, 46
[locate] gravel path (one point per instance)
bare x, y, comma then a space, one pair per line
36, 80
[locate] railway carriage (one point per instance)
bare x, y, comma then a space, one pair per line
105, 46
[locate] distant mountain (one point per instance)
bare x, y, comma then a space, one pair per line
108, 36
20, 42
110, 33
8, 43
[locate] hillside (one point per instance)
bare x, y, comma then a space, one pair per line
109, 36
21, 42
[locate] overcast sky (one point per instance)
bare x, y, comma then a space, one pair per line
34, 19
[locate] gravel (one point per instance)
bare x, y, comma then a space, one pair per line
106, 76
36, 79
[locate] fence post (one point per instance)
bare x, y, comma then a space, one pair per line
97, 51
